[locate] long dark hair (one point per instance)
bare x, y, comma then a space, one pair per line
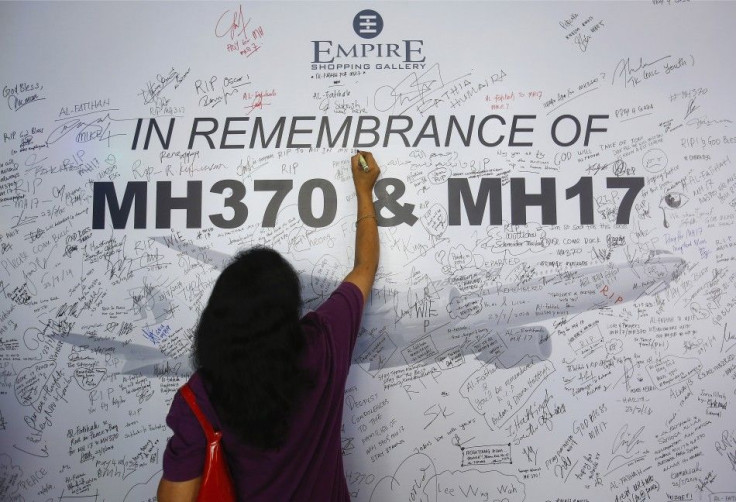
247, 347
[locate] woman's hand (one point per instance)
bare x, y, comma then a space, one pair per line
364, 180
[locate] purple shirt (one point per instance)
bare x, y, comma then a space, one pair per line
309, 464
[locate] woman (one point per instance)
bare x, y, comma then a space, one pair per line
271, 382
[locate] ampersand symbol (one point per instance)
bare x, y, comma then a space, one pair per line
402, 213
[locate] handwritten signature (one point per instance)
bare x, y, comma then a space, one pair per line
231, 23
257, 102
15, 103
626, 440
97, 129
728, 337
633, 75
691, 108
161, 82
582, 41
415, 90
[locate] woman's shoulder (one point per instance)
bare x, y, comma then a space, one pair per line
345, 300
199, 386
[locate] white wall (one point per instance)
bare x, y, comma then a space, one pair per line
540, 361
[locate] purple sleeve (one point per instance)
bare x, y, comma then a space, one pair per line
185, 451
342, 311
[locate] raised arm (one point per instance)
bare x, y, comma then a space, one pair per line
366, 225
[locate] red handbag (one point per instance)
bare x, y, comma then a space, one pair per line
217, 485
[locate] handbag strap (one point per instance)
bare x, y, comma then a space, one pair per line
188, 396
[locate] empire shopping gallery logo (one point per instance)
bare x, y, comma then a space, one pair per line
369, 54
368, 24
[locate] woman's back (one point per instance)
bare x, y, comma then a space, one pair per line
309, 464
